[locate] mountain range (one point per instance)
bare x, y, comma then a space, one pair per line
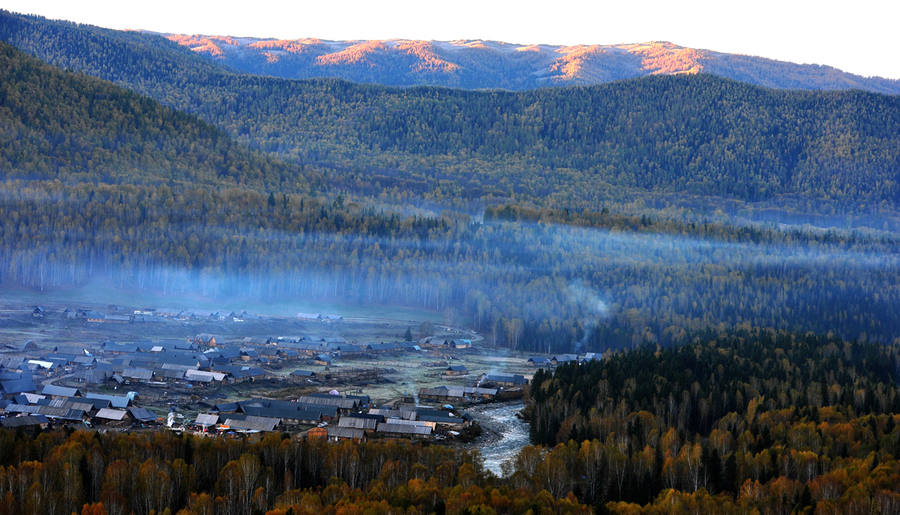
673, 141
596, 216
491, 64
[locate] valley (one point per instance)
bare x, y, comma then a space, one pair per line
337, 257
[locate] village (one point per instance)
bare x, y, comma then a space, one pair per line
318, 384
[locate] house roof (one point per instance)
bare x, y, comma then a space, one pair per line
206, 338
369, 415
384, 413
330, 400
230, 352
170, 374
180, 360
358, 423
60, 391
66, 403
70, 349
93, 403
142, 414
206, 419
32, 398
346, 432
441, 419
405, 429
283, 413
17, 386
23, 421
250, 423
148, 319
49, 412
118, 401
138, 373
117, 347
506, 378
203, 377
111, 414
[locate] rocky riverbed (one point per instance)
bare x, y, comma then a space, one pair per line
503, 433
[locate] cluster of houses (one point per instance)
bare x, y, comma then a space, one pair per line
335, 417
262, 415
540, 361
171, 363
499, 385
335, 346
119, 315
201, 360
449, 344
319, 317
63, 406
414, 422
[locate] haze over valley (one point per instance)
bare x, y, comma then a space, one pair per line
240, 185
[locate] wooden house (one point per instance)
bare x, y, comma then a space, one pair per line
456, 370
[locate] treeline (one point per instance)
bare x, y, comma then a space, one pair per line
764, 420
549, 282
84, 472
558, 147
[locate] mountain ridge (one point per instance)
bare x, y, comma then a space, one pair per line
478, 64
464, 64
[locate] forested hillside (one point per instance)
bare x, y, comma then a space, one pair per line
657, 138
76, 128
733, 422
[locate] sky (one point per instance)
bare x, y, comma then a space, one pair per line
858, 37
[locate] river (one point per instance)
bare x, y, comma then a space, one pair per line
504, 434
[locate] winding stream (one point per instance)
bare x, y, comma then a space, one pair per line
512, 431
